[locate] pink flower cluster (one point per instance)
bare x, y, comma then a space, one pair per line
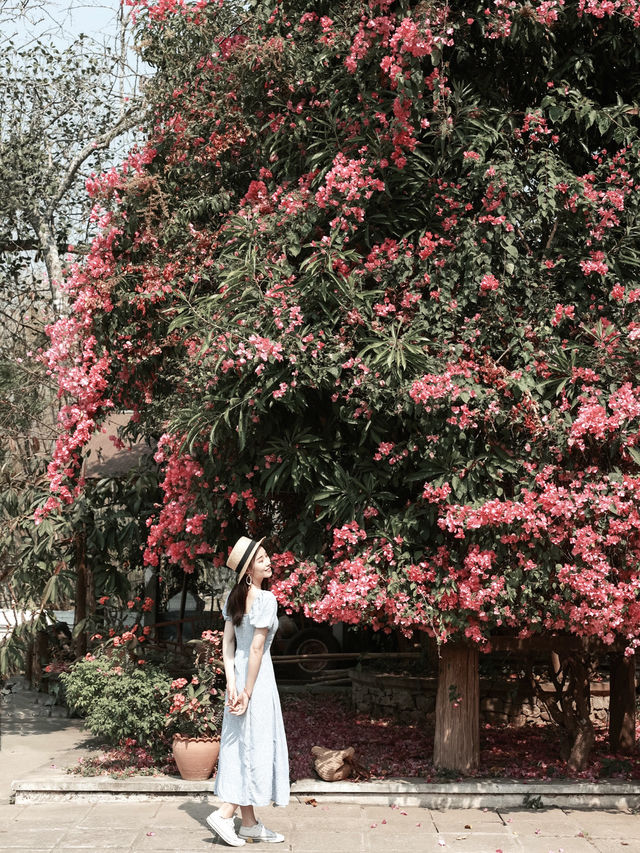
608, 8
345, 184
489, 283
595, 264
593, 420
177, 531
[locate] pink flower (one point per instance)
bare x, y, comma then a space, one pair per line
489, 282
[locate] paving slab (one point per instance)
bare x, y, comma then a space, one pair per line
394, 823
478, 842
114, 814
564, 845
608, 824
154, 838
176, 815
417, 829
615, 845
423, 843
40, 837
52, 814
454, 820
543, 822
378, 813
326, 840
9, 812
98, 838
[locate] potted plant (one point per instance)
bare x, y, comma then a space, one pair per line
196, 709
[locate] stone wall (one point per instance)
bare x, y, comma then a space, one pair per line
413, 699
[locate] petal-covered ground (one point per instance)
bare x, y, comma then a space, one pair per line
389, 748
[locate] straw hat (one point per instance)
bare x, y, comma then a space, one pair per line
242, 553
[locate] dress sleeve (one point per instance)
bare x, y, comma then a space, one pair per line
225, 612
264, 613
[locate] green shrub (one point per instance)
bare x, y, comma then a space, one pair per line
120, 700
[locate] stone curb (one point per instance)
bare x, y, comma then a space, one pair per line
402, 792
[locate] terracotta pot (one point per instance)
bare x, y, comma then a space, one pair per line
196, 756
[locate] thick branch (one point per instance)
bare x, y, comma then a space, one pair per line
552, 235
29, 244
49, 249
127, 122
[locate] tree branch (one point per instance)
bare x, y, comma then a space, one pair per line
30, 244
128, 121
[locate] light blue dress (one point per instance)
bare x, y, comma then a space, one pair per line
253, 768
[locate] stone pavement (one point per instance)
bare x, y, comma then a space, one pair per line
34, 736
32, 742
178, 825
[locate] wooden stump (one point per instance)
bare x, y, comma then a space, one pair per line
457, 738
622, 704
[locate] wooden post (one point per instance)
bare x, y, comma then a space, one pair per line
622, 704
457, 738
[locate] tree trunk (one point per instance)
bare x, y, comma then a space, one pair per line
50, 253
79, 547
150, 617
622, 704
579, 707
457, 738
183, 605
583, 741
40, 658
28, 664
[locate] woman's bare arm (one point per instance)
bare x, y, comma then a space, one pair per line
256, 652
228, 652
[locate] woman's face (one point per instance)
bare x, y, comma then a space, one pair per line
261, 567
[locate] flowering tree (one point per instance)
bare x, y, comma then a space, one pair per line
371, 281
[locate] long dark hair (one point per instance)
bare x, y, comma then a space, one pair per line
237, 601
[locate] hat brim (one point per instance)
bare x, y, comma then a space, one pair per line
247, 558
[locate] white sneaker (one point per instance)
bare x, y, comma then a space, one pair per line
225, 828
259, 832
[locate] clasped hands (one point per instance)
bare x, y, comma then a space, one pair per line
237, 703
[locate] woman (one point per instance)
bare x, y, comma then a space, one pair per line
253, 768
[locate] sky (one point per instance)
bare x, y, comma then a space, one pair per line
60, 20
